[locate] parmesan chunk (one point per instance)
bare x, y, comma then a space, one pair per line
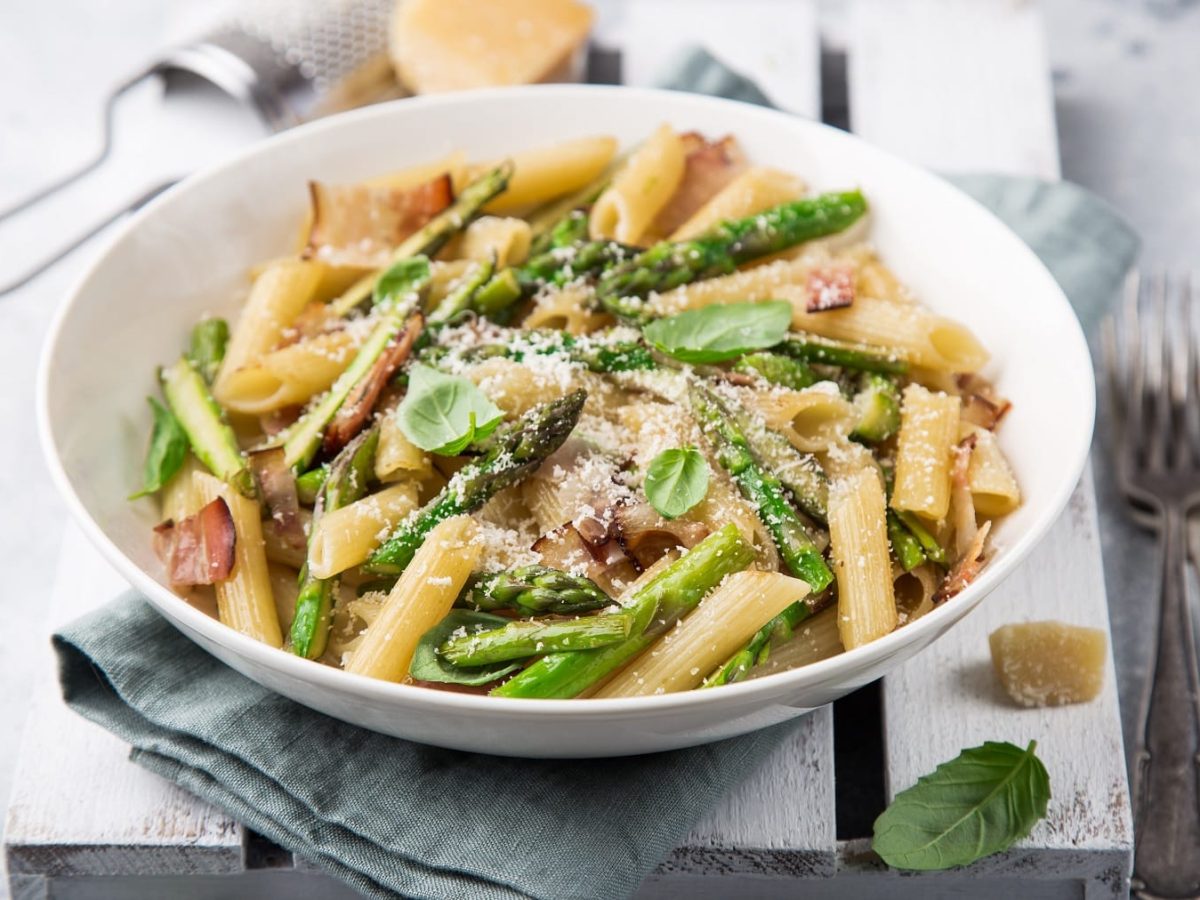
1049, 663
453, 45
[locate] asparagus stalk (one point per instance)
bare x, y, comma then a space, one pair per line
533, 590
929, 544
460, 299
721, 250
206, 348
211, 438
562, 265
514, 451
596, 355
812, 349
530, 637
905, 546
349, 476
760, 486
308, 485
777, 369
393, 290
878, 404
799, 472
655, 606
572, 228
430, 238
778, 631
498, 295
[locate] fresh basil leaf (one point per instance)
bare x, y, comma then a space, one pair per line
717, 333
977, 804
676, 480
402, 278
168, 449
444, 414
429, 665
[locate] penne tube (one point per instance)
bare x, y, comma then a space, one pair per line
180, 495
993, 486
724, 621
813, 419
928, 429
866, 604
396, 457
278, 295
504, 239
639, 190
566, 310
418, 601
546, 173
753, 191
345, 537
244, 600
815, 639
291, 375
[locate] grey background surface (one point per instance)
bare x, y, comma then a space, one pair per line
1126, 76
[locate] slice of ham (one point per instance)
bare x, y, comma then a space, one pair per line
966, 570
200, 548
708, 167
278, 487
605, 562
360, 224
830, 287
356, 409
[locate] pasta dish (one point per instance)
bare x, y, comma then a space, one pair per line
577, 423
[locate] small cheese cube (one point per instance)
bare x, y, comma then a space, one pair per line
1049, 663
453, 45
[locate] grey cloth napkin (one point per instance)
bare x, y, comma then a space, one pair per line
397, 818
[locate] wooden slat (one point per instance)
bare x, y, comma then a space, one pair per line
775, 43
79, 807
959, 86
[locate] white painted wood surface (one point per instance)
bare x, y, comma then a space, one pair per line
774, 835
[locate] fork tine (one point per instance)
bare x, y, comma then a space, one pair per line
1189, 401
1156, 368
1132, 376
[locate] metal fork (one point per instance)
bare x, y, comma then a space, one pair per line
1153, 365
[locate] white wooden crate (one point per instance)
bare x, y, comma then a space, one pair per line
953, 85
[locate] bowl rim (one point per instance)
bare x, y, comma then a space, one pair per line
401, 695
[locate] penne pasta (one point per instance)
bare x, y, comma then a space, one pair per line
244, 600
703, 640
396, 457
418, 601
639, 190
504, 239
278, 295
545, 173
815, 639
866, 605
813, 419
291, 375
993, 486
345, 537
566, 310
928, 429
753, 191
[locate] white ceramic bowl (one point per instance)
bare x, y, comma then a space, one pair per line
188, 253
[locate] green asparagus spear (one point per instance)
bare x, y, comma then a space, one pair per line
459, 300
531, 637
206, 348
812, 349
777, 369
514, 451
348, 478
800, 473
570, 229
878, 404
596, 353
533, 590
719, 251
779, 630
393, 299
934, 551
905, 547
496, 298
429, 239
563, 265
308, 485
212, 440
656, 606
760, 486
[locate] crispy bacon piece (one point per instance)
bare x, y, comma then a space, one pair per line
198, 549
647, 535
605, 561
830, 287
967, 569
982, 406
277, 420
708, 167
278, 487
360, 224
357, 407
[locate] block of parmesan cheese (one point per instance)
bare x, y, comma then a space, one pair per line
451, 45
1049, 663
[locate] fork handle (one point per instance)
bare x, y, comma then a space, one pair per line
1167, 769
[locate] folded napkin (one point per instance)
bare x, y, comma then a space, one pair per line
393, 817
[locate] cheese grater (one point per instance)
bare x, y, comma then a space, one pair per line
289, 60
